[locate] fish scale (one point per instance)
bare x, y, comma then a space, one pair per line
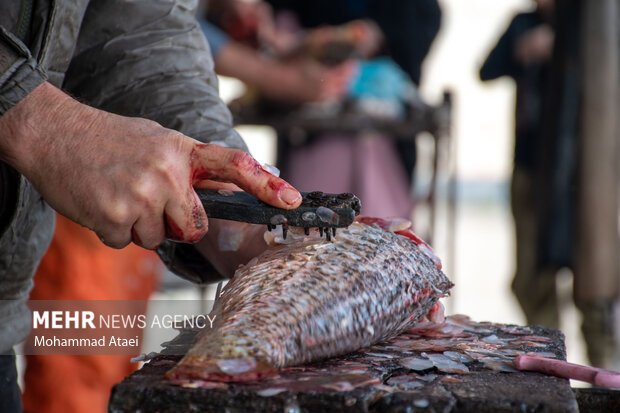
312, 299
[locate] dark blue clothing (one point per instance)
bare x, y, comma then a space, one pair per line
216, 38
530, 80
544, 136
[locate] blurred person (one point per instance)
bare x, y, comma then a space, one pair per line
374, 166
377, 167
578, 188
113, 167
400, 21
545, 184
246, 21
408, 27
524, 53
296, 80
407, 30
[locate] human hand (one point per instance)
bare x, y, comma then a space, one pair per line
124, 178
309, 81
535, 45
244, 21
301, 80
364, 36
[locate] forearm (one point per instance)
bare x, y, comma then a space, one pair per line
125, 178
270, 77
157, 66
239, 61
22, 138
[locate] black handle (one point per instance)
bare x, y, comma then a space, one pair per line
316, 210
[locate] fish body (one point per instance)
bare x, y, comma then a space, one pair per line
312, 299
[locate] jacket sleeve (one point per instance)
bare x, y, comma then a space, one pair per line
410, 27
148, 58
501, 60
19, 74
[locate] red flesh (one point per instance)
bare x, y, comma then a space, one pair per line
173, 230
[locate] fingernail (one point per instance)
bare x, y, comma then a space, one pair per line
290, 196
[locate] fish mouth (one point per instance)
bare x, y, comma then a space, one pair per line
193, 367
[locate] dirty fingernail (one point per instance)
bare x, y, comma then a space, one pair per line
290, 196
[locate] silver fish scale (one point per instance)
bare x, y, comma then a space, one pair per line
311, 300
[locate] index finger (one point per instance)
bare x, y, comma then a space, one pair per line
222, 164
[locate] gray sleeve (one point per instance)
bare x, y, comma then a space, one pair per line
19, 74
148, 58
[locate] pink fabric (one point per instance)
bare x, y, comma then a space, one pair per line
368, 166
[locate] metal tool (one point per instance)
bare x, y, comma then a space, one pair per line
317, 209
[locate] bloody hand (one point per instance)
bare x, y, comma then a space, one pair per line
124, 178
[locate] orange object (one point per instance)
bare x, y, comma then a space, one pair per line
78, 266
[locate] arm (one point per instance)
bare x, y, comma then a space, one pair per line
501, 60
129, 178
299, 81
527, 41
125, 178
157, 65
410, 28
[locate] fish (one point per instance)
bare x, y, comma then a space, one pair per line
310, 299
